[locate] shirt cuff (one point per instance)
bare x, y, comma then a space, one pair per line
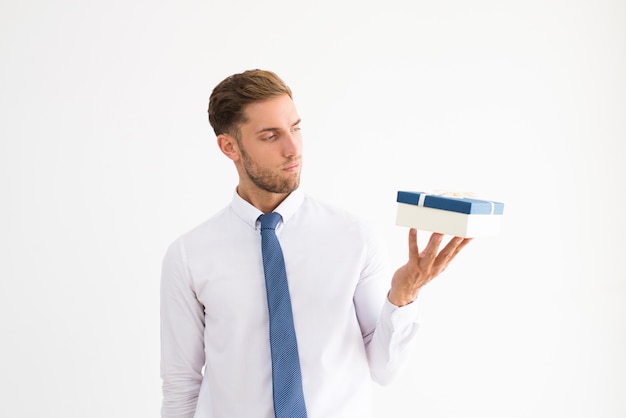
400, 317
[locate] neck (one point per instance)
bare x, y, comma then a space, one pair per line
263, 200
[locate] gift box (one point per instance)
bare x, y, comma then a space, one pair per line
449, 214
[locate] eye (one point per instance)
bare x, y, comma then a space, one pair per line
269, 137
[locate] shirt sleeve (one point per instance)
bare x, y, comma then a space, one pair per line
182, 337
387, 330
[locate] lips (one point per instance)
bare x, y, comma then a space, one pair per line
292, 167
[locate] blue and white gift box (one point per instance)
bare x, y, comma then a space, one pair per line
449, 213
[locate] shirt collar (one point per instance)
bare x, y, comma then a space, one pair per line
250, 214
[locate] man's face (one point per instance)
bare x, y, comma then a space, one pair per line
271, 145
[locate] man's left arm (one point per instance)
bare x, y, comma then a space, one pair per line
423, 266
387, 336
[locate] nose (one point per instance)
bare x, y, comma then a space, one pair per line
292, 144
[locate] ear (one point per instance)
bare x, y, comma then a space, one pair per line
228, 145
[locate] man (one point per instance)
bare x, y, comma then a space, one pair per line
350, 325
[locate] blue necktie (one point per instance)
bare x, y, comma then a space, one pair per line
286, 377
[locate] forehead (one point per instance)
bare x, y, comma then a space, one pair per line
276, 111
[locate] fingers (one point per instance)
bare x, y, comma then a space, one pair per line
425, 266
431, 253
461, 245
413, 249
450, 251
433, 246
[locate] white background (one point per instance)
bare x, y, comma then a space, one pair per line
106, 157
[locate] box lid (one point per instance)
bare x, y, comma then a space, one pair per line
455, 204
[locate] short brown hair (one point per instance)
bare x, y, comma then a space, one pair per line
230, 97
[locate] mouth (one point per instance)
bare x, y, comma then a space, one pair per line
292, 167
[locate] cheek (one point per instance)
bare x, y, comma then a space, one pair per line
267, 156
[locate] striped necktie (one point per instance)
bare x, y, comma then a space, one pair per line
286, 376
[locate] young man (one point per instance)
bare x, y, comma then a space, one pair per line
350, 325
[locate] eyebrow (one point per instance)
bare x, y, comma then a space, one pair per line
277, 129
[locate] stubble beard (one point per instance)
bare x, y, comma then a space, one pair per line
266, 179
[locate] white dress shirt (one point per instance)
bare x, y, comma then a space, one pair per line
215, 354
